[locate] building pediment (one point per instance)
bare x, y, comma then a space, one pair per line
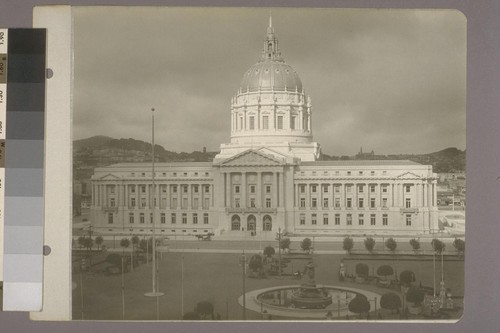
408, 175
252, 158
109, 176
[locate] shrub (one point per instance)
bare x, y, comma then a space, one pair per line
459, 245
415, 244
362, 269
391, 244
306, 244
415, 295
407, 277
359, 304
285, 243
269, 251
369, 244
205, 309
385, 270
255, 263
390, 301
348, 244
438, 245
99, 240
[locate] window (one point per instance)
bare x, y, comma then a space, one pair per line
206, 203
268, 189
184, 203
174, 203
237, 189
337, 202
314, 202
313, 188
302, 189
337, 189
132, 189
112, 202
195, 218
265, 122
205, 218
372, 173
174, 174
408, 220
360, 188
325, 219
292, 122
143, 189
252, 202
407, 188
252, 122
241, 122
302, 202
408, 203
132, 202
361, 219
237, 202
372, 202
173, 218
268, 202
325, 189
361, 202
195, 188
131, 218
302, 219
349, 203
143, 202
164, 188
163, 202
384, 219
174, 189
325, 202
384, 202
372, 219
372, 188
184, 218
280, 122
151, 218
252, 189
349, 219
207, 189
195, 203
348, 173
110, 218
141, 218
112, 189
185, 189
361, 173
348, 188
163, 218
337, 219
313, 219
384, 188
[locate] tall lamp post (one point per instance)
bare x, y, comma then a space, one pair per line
155, 292
243, 262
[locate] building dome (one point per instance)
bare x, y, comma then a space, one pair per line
271, 75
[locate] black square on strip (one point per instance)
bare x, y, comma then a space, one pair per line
27, 41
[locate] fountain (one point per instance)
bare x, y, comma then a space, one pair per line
309, 295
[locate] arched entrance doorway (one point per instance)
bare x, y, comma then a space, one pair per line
267, 224
235, 222
251, 223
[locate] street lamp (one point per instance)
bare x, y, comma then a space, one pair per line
243, 263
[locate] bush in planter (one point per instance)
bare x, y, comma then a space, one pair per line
269, 251
369, 244
285, 244
255, 265
416, 297
391, 244
459, 245
359, 305
348, 244
390, 301
407, 277
415, 244
438, 245
306, 244
385, 271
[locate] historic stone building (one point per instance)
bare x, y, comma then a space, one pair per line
267, 178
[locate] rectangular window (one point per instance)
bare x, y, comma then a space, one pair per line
408, 220
268, 202
348, 188
361, 188
361, 219
251, 122
337, 219
163, 218
361, 202
337, 202
195, 203
173, 218
372, 173
143, 189
185, 189
372, 219
174, 203
141, 218
205, 218
265, 122
237, 189
302, 219
112, 189
151, 218
237, 202
184, 203
252, 202
292, 122
302, 189
184, 218
131, 218
325, 202
349, 219
143, 202
313, 219
325, 219
195, 189
164, 188
174, 189
325, 188
280, 122
372, 202
337, 189
252, 189
112, 202
348, 173
207, 189
302, 202
349, 203
195, 218
384, 202
372, 188
408, 203
313, 188
206, 203
314, 203
408, 188
384, 188
268, 189
384, 219
132, 189
110, 218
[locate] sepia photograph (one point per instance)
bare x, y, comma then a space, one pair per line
268, 164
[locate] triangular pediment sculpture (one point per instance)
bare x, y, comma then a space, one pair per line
408, 175
109, 176
252, 158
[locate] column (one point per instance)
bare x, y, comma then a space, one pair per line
137, 196
424, 196
227, 177
295, 195
189, 196
158, 197
243, 190
418, 194
102, 196
281, 193
259, 190
275, 189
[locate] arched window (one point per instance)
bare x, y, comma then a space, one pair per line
251, 223
235, 222
267, 224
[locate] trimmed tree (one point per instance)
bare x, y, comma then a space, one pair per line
415, 244
125, 242
385, 271
359, 305
415, 295
285, 244
269, 251
369, 244
98, 241
255, 264
306, 244
205, 309
391, 244
459, 245
407, 277
390, 301
348, 244
438, 245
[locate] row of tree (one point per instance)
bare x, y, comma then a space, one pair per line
391, 244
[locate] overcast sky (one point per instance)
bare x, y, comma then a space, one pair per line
392, 81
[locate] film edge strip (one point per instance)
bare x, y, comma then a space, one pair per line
3, 110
